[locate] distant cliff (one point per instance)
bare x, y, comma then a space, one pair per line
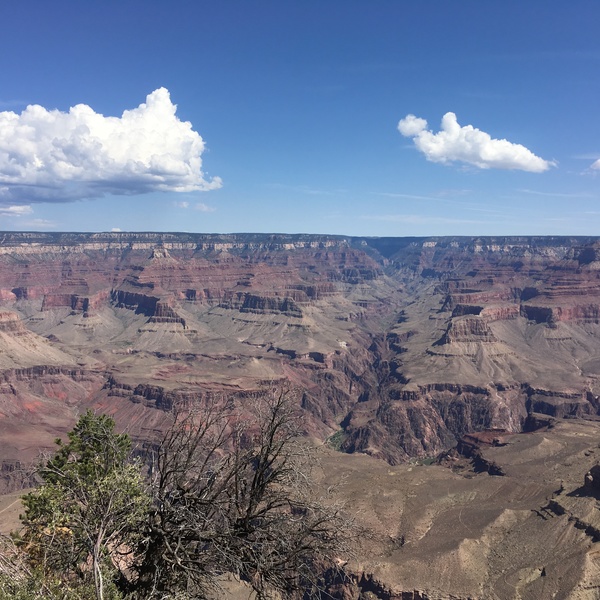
403, 344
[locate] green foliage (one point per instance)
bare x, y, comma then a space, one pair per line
82, 523
94, 450
29, 589
19, 580
336, 440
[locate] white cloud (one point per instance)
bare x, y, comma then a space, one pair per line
54, 156
15, 211
596, 165
115, 229
204, 207
411, 126
182, 204
469, 145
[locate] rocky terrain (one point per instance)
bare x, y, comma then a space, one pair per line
447, 532
403, 347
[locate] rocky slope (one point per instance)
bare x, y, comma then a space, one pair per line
404, 344
451, 533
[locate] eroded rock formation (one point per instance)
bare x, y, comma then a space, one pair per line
405, 344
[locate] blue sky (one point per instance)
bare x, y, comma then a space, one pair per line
294, 108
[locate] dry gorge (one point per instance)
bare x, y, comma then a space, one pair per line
457, 378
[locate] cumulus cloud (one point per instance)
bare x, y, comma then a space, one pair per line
54, 156
469, 145
411, 126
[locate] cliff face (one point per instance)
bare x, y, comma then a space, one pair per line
498, 317
404, 343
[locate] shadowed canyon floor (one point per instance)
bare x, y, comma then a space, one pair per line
401, 347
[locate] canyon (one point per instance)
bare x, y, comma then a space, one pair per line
405, 352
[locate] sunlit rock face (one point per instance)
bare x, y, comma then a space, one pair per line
405, 344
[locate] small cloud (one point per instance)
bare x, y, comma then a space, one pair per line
596, 165
15, 211
204, 207
182, 204
39, 224
469, 145
54, 156
116, 229
411, 126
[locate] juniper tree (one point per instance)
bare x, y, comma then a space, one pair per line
83, 521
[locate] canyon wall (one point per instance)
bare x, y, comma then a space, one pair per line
400, 346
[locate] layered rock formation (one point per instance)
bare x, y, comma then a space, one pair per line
404, 344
